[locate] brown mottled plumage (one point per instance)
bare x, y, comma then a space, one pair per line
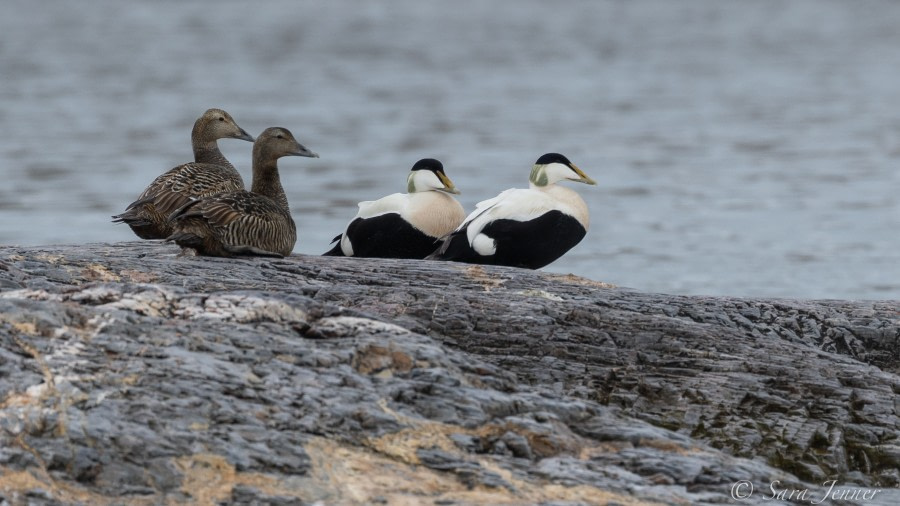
210, 173
257, 222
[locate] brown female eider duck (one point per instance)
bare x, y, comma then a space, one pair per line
404, 225
210, 173
524, 227
255, 222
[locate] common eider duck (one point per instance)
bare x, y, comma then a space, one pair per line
255, 222
210, 173
524, 227
404, 225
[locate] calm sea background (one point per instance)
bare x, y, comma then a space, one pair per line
741, 148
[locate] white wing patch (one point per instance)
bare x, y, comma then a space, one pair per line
514, 204
394, 203
346, 245
484, 245
484, 205
433, 213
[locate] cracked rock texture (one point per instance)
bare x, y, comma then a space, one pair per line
130, 376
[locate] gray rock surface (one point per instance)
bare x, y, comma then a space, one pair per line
128, 375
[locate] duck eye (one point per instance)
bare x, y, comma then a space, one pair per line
221, 118
280, 136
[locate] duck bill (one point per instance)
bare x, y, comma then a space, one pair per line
448, 185
244, 136
583, 178
302, 151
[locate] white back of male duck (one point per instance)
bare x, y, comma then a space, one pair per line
404, 225
210, 173
524, 227
255, 222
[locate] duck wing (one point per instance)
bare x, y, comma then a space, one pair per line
179, 185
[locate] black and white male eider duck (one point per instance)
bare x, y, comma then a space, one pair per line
404, 225
524, 227
255, 222
210, 173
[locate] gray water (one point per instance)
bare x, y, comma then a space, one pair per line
741, 148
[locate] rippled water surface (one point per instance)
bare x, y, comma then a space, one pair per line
743, 148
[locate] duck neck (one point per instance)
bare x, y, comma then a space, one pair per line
207, 151
266, 182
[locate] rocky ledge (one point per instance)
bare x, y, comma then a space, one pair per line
128, 375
